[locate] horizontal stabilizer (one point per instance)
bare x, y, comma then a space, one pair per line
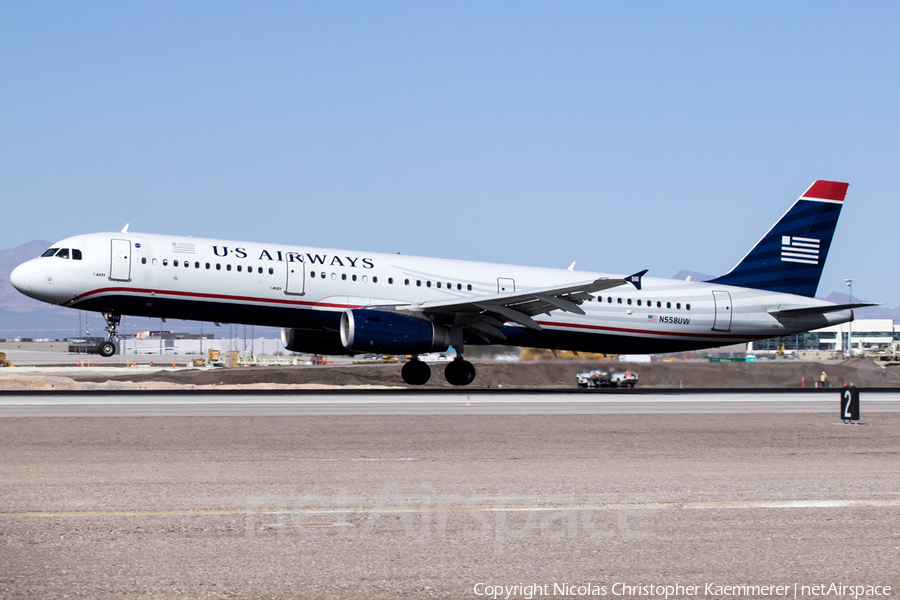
819, 310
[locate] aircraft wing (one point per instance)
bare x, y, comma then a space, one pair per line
485, 315
819, 310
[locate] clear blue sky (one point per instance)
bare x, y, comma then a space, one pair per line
622, 135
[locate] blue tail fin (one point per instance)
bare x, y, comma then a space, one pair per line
791, 256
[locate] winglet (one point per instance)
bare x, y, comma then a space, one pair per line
125, 229
635, 279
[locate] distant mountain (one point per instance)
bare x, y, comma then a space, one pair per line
26, 317
10, 298
874, 312
694, 275
21, 316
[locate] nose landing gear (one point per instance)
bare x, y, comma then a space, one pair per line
108, 348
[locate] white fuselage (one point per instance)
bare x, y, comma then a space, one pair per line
308, 289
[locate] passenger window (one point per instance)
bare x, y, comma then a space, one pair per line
678, 305
620, 301
197, 265
353, 278
374, 278
64, 253
271, 271
343, 276
143, 260
334, 276
418, 283
365, 279
228, 267
658, 304
668, 305
259, 270
49, 252
207, 266
639, 302
609, 299
155, 262
76, 254
406, 281
427, 284
165, 262
218, 267
187, 264
239, 268
687, 306
459, 286
312, 274
439, 285
629, 302
469, 287
390, 280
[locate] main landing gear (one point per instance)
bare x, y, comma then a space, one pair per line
458, 372
108, 348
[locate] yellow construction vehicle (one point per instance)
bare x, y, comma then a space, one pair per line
213, 359
3, 361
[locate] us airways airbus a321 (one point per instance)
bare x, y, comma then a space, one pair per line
345, 302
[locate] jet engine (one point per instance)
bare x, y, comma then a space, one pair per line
313, 342
366, 330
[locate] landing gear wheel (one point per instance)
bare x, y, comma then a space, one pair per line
415, 372
106, 349
460, 372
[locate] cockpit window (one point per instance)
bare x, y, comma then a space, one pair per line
49, 252
76, 254
64, 253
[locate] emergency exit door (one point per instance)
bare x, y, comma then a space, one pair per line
120, 260
296, 279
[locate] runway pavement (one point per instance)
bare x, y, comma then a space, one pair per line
434, 402
457, 495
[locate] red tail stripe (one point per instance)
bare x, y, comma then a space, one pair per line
827, 190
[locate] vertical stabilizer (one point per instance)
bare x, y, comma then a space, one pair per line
791, 256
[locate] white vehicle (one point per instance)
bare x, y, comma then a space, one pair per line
602, 379
347, 302
623, 379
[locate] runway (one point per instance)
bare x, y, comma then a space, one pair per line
410, 402
429, 503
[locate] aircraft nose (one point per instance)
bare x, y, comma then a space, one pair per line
21, 278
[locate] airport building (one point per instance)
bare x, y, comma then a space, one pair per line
864, 334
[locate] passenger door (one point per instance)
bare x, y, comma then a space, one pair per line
723, 311
120, 260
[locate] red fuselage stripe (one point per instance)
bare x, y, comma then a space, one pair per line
649, 332
200, 295
206, 296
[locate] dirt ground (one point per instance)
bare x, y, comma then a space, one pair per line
494, 375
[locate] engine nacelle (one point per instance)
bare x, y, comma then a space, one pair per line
313, 342
366, 330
